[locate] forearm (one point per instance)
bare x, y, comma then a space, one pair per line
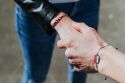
112, 64
45, 14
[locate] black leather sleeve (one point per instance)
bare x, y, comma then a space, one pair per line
41, 11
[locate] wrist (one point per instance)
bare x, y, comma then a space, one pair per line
64, 24
97, 58
104, 59
55, 21
112, 64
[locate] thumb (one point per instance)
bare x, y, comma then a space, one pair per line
63, 44
60, 44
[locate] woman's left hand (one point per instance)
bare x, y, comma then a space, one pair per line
83, 47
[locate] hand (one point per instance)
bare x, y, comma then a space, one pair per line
83, 47
65, 31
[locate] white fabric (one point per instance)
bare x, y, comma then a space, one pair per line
62, 1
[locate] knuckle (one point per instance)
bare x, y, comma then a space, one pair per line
82, 23
59, 45
93, 30
89, 30
68, 43
67, 53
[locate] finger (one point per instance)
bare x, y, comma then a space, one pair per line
76, 69
61, 44
79, 26
76, 61
64, 44
69, 53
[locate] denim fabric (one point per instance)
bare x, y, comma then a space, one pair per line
37, 47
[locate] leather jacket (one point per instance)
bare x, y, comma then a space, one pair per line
41, 11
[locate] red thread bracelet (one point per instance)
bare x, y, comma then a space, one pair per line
58, 20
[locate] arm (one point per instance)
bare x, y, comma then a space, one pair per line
41, 11
112, 64
45, 14
87, 44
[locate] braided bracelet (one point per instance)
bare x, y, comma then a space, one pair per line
58, 20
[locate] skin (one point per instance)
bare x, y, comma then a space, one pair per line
88, 44
65, 30
70, 35
82, 43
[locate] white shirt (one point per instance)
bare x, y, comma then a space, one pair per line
62, 1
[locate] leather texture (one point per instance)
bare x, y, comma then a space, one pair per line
41, 11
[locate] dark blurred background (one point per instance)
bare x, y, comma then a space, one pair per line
112, 29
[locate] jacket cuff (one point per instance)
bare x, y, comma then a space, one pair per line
41, 11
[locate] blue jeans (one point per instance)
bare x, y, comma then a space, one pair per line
37, 47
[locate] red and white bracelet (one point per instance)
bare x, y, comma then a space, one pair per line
58, 20
96, 58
